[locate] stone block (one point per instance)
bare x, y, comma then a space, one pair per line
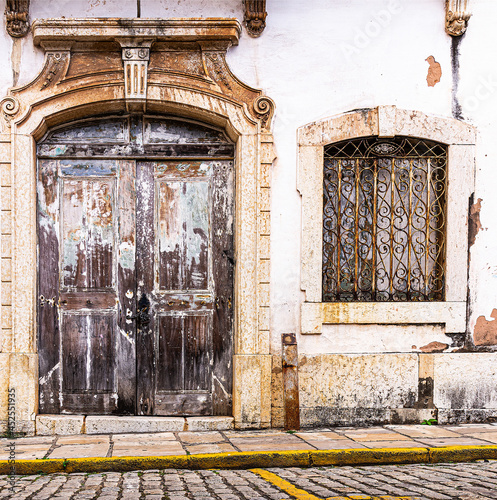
263, 247
4, 151
4, 387
6, 195
252, 394
5, 177
6, 222
6, 269
209, 423
368, 381
24, 381
49, 425
122, 425
465, 381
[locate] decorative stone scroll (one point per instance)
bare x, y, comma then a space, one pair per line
10, 107
255, 16
16, 15
457, 16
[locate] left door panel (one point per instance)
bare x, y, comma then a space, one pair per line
86, 304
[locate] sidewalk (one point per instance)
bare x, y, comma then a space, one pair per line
245, 449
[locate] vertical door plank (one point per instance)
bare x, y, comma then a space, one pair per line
223, 275
48, 287
126, 339
145, 332
198, 352
103, 353
75, 346
170, 371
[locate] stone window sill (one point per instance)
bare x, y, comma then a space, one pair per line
315, 314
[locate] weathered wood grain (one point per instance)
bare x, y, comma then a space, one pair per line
48, 287
223, 275
170, 353
183, 235
88, 357
88, 232
126, 290
145, 245
184, 404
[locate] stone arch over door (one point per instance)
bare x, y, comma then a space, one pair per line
183, 73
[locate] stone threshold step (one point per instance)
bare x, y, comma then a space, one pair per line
49, 425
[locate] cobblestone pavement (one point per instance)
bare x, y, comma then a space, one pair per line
469, 481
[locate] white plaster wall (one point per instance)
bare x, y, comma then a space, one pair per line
464, 381
319, 58
478, 96
372, 339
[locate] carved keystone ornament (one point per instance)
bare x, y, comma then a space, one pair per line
16, 15
255, 16
456, 17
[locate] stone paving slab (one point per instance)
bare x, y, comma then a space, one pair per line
218, 441
462, 441
143, 450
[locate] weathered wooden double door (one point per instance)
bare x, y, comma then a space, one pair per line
135, 307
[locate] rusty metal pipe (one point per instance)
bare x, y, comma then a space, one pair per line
290, 367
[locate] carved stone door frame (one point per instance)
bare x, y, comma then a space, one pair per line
174, 67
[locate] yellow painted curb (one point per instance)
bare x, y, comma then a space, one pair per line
370, 456
462, 453
257, 459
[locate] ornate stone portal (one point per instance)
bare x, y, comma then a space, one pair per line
108, 66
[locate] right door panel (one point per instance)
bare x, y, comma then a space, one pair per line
185, 270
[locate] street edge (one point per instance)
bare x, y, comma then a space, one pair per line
255, 459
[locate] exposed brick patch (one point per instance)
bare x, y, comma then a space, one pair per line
434, 347
486, 331
474, 223
434, 72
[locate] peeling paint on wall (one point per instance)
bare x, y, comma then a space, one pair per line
486, 331
434, 71
474, 223
434, 347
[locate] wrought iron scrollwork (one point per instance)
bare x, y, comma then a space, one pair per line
384, 220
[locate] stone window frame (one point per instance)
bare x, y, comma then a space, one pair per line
385, 122
58, 96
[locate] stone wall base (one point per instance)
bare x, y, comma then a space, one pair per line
364, 417
336, 417
48, 425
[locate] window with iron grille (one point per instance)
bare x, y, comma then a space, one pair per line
384, 220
